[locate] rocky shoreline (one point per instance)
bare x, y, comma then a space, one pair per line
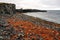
17, 26
42, 22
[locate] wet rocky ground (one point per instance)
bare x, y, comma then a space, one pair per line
23, 27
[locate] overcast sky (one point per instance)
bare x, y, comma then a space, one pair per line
36, 4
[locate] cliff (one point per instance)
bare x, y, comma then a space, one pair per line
7, 8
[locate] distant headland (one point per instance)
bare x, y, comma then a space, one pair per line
29, 10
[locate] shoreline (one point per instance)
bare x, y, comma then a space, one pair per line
45, 21
44, 16
42, 22
26, 27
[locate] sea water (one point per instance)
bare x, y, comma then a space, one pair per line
50, 15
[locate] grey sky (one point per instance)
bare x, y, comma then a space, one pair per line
38, 4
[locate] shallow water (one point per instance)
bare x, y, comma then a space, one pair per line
50, 15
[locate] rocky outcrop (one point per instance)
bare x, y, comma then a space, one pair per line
7, 8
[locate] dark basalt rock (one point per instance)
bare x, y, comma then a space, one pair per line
7, 8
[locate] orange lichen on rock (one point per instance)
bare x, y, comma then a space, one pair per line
32, 31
